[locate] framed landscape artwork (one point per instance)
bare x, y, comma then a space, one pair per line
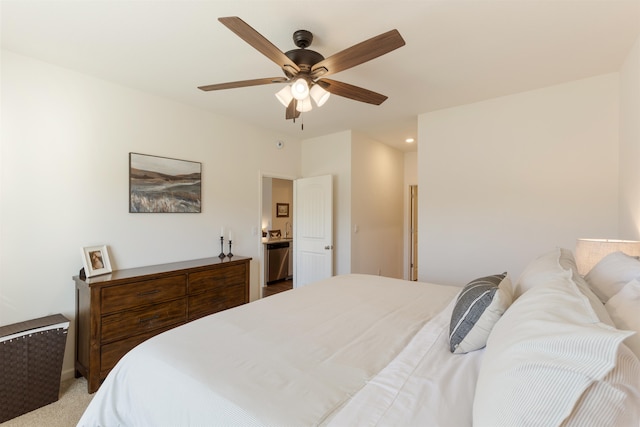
164, 185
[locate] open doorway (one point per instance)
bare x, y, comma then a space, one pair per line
276, 242
413, 232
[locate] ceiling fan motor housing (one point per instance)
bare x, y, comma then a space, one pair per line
304, 58
302, 38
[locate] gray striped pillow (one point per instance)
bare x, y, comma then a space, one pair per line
478, 307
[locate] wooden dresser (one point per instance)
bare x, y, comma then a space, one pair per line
117, 311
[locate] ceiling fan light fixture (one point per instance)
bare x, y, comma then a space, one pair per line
284, 95
304, 105
300, 89
319, 95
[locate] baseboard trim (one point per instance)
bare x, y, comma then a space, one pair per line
68, 374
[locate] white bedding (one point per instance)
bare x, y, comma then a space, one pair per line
349, 350
425, 385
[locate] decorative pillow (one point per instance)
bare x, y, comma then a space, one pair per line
611, 273
624, 308
547, 349
478, 307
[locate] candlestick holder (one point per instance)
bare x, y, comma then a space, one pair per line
221, 248
229, 254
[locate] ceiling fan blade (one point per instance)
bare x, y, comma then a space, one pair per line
244, 83
259, 42
352, 92
358, 54
291, 112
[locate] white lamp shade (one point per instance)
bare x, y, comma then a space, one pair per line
284, 95
319, 95
304, 105
590, 251
300, 89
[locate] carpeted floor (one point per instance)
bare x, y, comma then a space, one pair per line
64, 413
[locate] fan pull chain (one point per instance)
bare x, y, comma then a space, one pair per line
301, 116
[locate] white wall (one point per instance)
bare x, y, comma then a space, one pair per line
410, 169
630, 145
331, 155
367, 192
502, 180
267, 197
377, 177
282, 192
64, 183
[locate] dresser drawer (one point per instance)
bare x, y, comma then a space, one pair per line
131, 295
135, 322
211, 302
112, 352
218, 278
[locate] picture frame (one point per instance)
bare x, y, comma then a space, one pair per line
95, 260
274, 234
164, 185
282, 210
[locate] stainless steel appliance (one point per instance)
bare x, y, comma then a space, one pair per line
277, 261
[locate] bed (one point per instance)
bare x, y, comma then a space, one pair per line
359, 350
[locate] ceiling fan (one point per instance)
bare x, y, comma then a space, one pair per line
306, 70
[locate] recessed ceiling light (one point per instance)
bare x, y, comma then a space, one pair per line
409, 140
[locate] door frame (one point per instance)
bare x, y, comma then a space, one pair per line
413, 232
261, 256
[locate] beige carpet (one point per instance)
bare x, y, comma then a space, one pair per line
66, 412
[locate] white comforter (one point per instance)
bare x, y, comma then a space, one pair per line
351, 350
425, 385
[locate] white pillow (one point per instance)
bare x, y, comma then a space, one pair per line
546, 350
611, 273
614, 400
538, 271
568, 262
624, 308
550, 266
478, 307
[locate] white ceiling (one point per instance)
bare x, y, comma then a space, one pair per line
456, 52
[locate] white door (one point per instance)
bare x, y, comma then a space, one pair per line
313, 227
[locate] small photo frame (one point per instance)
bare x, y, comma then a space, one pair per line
274, 234
282, 210
96, 260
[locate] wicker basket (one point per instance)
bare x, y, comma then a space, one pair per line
31, 356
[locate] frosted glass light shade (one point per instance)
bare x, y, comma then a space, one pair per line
590, 251
319, 95
304, 105
284, 95
300, 89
